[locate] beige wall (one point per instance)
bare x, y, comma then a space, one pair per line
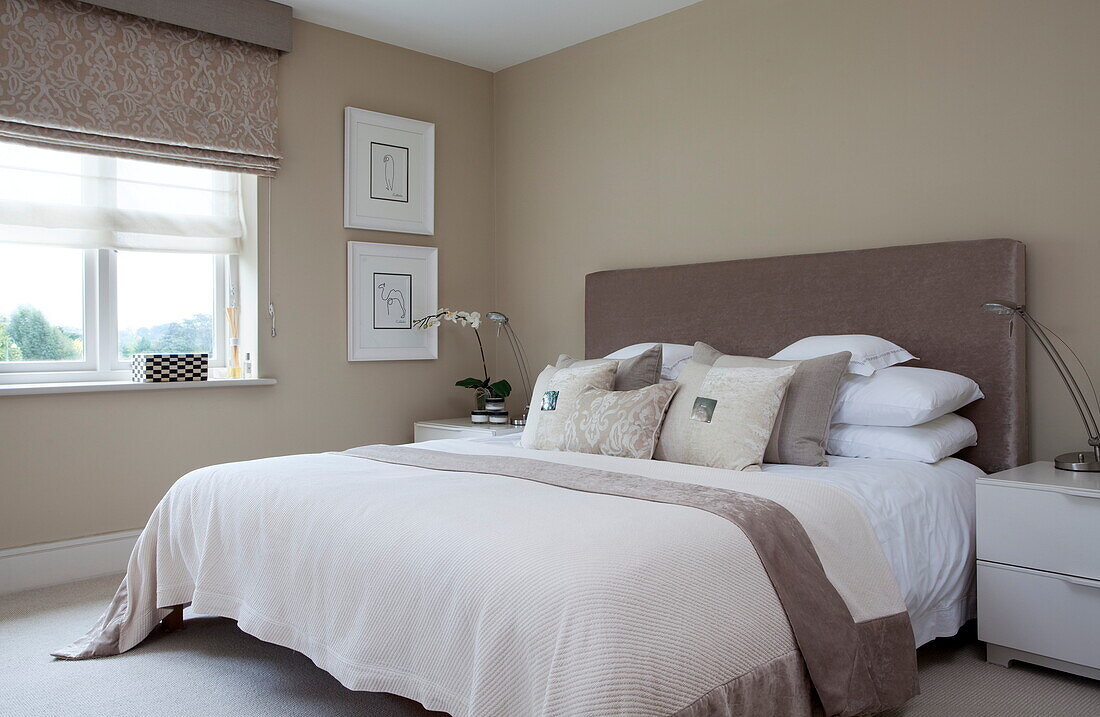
724, 130
760, 127
74, 465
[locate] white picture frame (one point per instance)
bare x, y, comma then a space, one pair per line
389, 287
389, 173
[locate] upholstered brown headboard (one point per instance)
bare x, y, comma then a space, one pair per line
924, 297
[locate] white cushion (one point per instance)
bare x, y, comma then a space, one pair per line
674, 356
869, 353
902, 396
547, 416
723, 417
927, 443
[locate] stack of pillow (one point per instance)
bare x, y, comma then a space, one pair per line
613, 406
888, 411
841, 395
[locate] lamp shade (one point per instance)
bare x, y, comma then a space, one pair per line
1001, 306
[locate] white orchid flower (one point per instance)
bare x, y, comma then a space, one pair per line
462, 318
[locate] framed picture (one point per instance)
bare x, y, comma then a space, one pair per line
389, 173
389, 287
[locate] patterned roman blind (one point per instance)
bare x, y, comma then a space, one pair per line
84, 78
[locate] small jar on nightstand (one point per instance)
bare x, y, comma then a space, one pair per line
459, 428
1039, 568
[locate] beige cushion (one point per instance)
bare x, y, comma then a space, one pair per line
546, 418
630, 373
617, 423
802, 428
723, 416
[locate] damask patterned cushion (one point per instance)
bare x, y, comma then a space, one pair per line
555, 392
723, 417
631, 373
617, 423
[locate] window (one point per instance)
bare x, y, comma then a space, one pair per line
102, 258
186, 288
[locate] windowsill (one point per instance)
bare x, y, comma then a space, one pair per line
28, 389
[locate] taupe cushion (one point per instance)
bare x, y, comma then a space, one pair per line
630, 373
802, 429
723, 416
617, 423
555, 393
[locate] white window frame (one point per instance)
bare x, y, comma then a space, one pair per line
101, 361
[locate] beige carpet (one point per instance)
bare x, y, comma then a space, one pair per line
211, 668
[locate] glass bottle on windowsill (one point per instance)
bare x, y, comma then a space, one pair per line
234, 368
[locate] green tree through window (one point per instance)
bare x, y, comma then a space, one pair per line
193, 334
39, 340
8, 350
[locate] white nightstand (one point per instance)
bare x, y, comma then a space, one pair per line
1039, 568
459, 428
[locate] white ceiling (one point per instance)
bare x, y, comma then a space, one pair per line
490, 34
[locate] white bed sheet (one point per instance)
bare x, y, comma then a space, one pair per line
923, 514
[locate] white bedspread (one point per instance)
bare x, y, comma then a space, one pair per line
486, 595
923, 515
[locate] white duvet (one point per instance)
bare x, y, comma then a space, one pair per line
923, 515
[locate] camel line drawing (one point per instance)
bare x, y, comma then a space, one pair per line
391, 297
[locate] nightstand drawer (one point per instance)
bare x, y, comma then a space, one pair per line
460, 428
435, 433
1042, 613
1041, 529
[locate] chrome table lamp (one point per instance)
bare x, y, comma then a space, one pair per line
1078, 460
502, 322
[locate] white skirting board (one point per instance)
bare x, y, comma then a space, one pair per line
66, 561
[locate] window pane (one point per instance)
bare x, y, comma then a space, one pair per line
165, 303
41, 303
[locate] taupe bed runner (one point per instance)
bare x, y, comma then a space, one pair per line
856, 668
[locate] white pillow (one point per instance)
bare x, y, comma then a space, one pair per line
902, 396
927, 443
869, 353
674, 356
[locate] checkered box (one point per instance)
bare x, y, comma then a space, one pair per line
155, 368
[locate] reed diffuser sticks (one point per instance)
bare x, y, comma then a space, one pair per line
233, 317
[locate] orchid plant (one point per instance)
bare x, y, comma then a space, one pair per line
484, 388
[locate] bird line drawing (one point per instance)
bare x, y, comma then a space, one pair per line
391, 297
388, 163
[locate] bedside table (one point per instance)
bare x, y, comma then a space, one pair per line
1039, 568
460, 428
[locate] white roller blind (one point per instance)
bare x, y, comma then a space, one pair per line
93, 201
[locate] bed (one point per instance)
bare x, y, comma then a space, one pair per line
481, 578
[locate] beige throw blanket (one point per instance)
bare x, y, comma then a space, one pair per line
635, 591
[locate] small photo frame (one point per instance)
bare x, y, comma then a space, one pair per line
703, 409
389, 172
390, 286
550, 401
